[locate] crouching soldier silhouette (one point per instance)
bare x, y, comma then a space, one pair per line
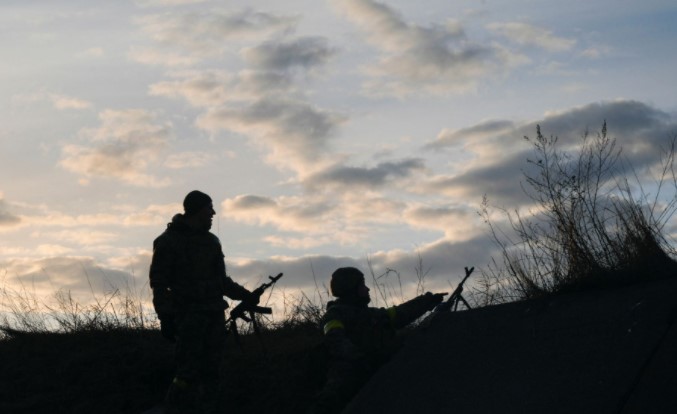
188, 279
359, 338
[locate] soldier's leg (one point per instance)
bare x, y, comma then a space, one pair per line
186, 388
212, 358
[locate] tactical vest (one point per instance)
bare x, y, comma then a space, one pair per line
198, 270
370, 329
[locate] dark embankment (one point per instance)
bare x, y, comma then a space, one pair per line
128, 371
601, 351
103, 372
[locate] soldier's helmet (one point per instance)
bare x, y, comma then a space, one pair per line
345, 280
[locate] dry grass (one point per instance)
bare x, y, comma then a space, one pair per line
589, 226
109, 357
24, 310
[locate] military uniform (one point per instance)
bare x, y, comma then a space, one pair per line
188, 279
358, 340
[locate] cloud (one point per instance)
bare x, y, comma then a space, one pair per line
39, 272
353, 178
249, 202
213, 88
271, 73
58, 101
529, 35
92, 52
286, 213
52, 250
298, 243
295, 132
166, 3
85, 278
499, 179
458, 222
306, 53
262, 102
67, 102
413, 58
153, 215
596, 52
36, 220
190, 159
388, 29
122, 148
632, 122
482, 131
7, 218
150, 56
84, 237
339, 217
500, 161
204, 34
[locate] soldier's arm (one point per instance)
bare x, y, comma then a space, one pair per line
231, 288
234, 290
160, 272
161, 264
407, 312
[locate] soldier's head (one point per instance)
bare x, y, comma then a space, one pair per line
348, 283
198, 210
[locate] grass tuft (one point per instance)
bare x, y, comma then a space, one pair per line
588, 226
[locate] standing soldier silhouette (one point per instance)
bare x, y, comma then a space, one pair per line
188, 279
359, 338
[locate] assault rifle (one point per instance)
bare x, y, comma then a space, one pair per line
247, 309
451, 304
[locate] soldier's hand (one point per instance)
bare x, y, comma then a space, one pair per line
434, 299
252, 298
163, 301
168, 328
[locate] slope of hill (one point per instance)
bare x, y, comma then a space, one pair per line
603, 351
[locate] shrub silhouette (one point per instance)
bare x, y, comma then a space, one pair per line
588, 227
106, 361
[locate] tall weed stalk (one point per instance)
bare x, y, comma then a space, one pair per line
588, 226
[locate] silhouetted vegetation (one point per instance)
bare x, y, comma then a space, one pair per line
108, 356
589, 226
96, 362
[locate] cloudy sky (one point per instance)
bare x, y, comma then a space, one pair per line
328, 133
